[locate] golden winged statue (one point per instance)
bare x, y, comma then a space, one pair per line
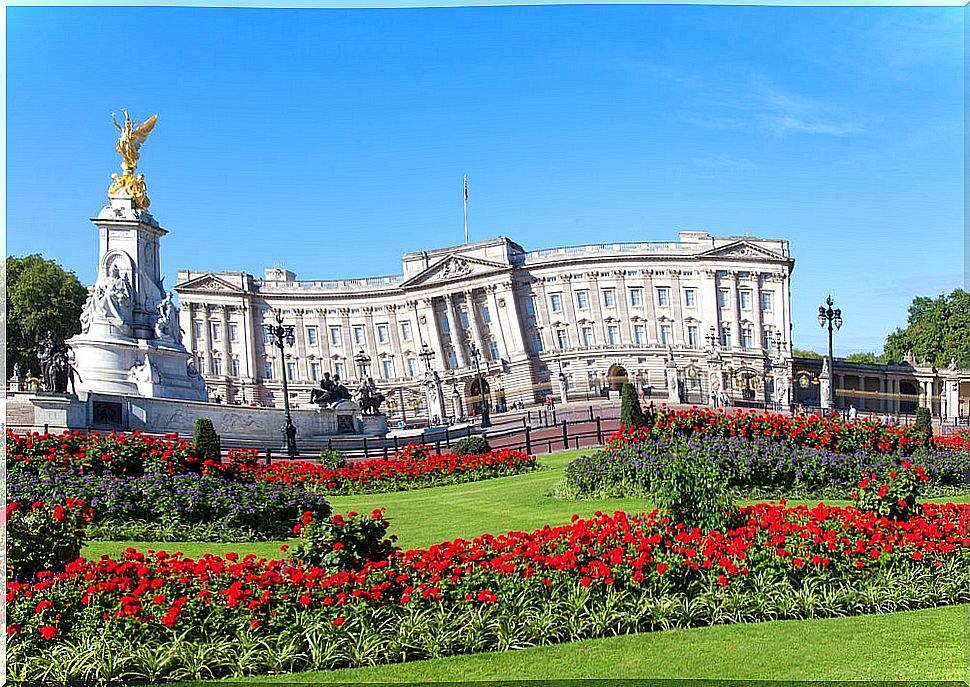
130, 140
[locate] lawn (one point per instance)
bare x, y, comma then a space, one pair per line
926, 645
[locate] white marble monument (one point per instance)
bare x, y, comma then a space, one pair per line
131, 342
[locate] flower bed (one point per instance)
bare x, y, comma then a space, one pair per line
757, 466
158, 506
163, 616
816, 431
399, 474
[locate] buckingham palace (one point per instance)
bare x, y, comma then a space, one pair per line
711, 313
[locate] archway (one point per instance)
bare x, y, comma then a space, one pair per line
475, 396
908, 397
616, 377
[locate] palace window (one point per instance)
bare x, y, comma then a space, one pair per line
443, 324
311, 336
486, 315
406, 331
335, 337
693, 339
587, 334
663, 296
233, 331
216, 331
291, 370
536, 341
338, 369
216, 365
747, 337
201, 365
582, 300
388, 367
639, 334
358, 335
690, 298
562, 338
726, 336
315, 372
493, 352
452, 359
612, 334
530, 306
767, 338
555, 302
722, 298
267, 369
234, 367
666, 335
382, 333
198, 330
636, 297
767, 298
745, 300
609, 298
412, 367
463, 318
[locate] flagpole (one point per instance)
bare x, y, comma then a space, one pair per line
466, 208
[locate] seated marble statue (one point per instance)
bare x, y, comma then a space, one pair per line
325, 394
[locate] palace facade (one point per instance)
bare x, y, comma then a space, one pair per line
569, 322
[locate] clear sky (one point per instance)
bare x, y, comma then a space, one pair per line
333, 141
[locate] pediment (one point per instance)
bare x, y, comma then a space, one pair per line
742, 249
454, 268
208, 283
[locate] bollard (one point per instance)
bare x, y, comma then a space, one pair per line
46, 431
330, 444
599, 431
577, 443
528, 440
468, 432
549, 447
591, 413
565, 435
396, 447
269, 457
437, 447
447, 438
385, 451
554, 420
365, 448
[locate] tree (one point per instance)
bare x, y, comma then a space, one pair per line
41, 295
866, 358
800, 353
631, 414
937, 331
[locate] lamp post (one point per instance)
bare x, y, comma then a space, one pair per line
281, 334
362, 360
426, 355
476, 354
826, 315
711, 339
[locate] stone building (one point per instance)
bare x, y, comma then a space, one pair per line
571, 322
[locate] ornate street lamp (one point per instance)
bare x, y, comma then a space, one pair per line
476, 354
362, 360
426, 355
830, 316
281, 334
711, 338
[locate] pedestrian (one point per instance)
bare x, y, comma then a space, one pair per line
853, 413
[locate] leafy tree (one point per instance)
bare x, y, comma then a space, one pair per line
208, 446
41, 295
937, 331
800, 353
866, 358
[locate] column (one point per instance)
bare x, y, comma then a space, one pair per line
188, 326
653, 332
226, 357
347, 343
369, 336
543, 316
248, 365
325, 351
677, 309
457, 340
480, 342
597, 306
434, 333
622, 297
490, 290
756, 309
736, 307
710, 314
395, 334
299, 348
569, 305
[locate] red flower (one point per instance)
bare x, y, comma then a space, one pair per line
662, 568
339, 621
48, 632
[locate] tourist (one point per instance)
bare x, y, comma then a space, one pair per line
853, 413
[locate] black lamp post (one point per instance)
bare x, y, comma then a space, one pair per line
281, 334
711, 339
362, 360
426, 355
830, 316
476, 354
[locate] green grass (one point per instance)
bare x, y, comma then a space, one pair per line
915, 645
191, 549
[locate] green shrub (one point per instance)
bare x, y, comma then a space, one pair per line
207, 444
924, 425
631, 414
471, 446
344, 543
332, 460
894, 495
413, 453
693, 490
44, 536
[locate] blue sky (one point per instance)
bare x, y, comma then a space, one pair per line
332, 141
